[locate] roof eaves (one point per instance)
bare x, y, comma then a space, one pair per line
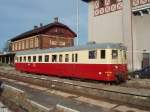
40, 30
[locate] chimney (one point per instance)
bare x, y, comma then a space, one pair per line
56, 19
41, 24
35, 27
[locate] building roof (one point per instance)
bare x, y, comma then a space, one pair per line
40, 30
75, 48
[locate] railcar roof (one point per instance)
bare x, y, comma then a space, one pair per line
75, 48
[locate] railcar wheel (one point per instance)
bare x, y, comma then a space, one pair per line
119, 78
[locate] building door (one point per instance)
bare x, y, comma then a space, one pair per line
146, 60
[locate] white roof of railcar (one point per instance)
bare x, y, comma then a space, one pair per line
75, 48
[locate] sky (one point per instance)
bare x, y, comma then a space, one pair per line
19, 16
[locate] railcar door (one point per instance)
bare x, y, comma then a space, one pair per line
115, 56
145, 61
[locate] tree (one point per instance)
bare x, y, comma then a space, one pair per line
6, 47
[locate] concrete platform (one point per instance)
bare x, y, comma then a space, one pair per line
51, 99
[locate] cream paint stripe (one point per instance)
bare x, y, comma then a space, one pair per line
71, 63
68, 83
39, 105
43, 78
66, 109
55, 80
14, 88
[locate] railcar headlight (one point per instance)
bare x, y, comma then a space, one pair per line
100, 73
108, 74
116, 67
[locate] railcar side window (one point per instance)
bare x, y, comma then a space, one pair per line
103, 54
54, 58
114, 54
24, 59
46, 58
40, 58
20, 59
29, 58
76, 57
34, 58
92, 54
60, 58
125, 55
66, 57
72, 57
17, 59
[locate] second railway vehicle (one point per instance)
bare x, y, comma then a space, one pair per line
103, 62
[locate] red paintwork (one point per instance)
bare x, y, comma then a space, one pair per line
86, 71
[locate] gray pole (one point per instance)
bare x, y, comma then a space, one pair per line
77, 41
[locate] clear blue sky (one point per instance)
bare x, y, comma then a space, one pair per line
18, 16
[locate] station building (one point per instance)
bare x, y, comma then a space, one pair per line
122, 21
47, 36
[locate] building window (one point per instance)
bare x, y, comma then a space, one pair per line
19, 45
54, 58
92, 54
66, 57
23, 45
36, 42
114, 54
34, 58
101, 3
24, 59
16, 46
60, 58
29, 58
62, 43
46, 58
113, 1
40, 58
53, 43
27, 44
103, 54
31, 43
13, 47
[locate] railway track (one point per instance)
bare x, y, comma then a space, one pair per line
115, 93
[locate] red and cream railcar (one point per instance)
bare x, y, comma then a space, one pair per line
105, 62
